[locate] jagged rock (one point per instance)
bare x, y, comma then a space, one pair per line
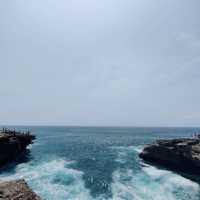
17, 190
179, 154
12, 144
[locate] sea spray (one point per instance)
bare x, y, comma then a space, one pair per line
99, 164
52, 179
150, 183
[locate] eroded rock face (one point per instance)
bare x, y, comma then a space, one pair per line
16, 190
180, 154
13, 144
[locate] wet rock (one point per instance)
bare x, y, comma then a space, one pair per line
178, 154
17, 190
12, 143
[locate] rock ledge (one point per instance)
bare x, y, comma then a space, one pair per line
12, 143
179, 154
17, 190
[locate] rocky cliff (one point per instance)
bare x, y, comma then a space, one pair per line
12, 143
178, 154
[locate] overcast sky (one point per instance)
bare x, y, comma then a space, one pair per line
100, 62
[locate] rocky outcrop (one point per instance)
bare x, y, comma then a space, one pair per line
12, 143
17, 190
178, 154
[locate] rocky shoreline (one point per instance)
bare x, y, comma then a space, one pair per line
12, 144
181, 155
17, 190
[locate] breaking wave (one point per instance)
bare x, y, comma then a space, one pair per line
56, 179
150, 183
52, 180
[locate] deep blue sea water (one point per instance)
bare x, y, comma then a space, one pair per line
99, 163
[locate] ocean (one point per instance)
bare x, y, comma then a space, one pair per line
99, 163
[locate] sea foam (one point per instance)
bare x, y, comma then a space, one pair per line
150, 183
56, 179
52, 180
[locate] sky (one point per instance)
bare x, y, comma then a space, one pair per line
100, 62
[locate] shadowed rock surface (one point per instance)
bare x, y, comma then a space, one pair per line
17, 190
12, 143
178, 154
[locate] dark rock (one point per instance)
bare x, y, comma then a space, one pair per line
12, 144
17, 190
178, 154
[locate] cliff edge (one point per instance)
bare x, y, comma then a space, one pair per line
178, 154
12, 143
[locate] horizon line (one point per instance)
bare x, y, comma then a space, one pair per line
101, 126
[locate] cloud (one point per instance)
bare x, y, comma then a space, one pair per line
99, 62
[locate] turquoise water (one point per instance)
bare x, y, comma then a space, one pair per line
91, 163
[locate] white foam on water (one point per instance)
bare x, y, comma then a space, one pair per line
174, 183
123, 151
56, 180
138, 149
137, 187
53, 180
154, 172
151, 183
